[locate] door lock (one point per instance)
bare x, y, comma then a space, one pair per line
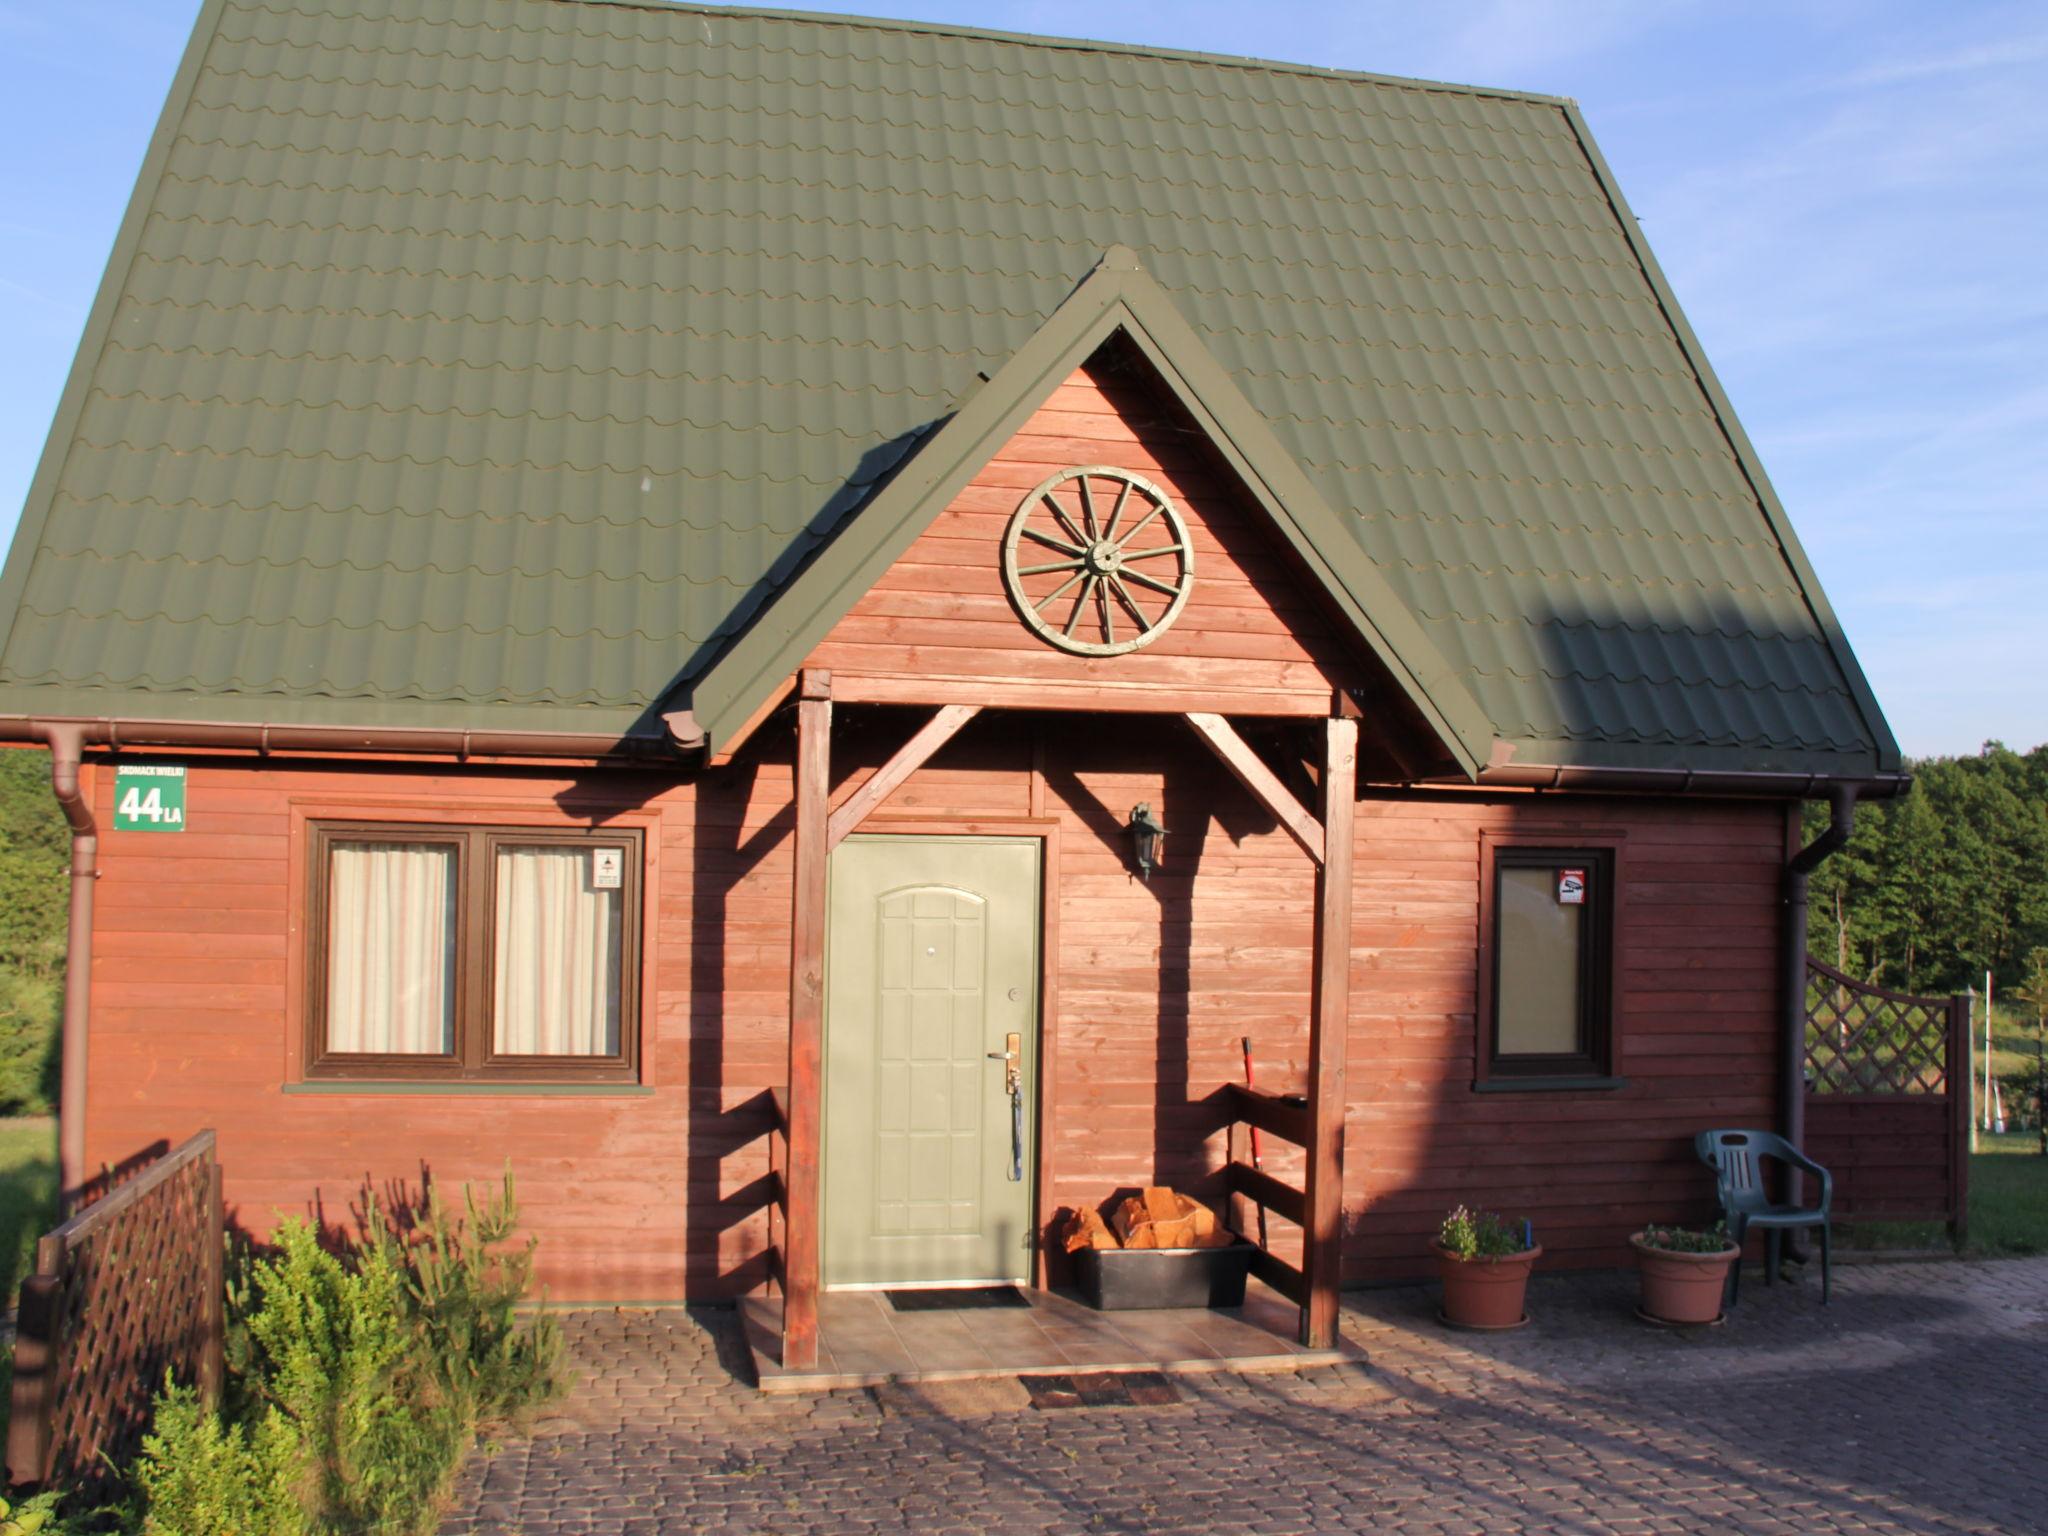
1012, 1058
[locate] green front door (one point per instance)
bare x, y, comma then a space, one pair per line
931, 972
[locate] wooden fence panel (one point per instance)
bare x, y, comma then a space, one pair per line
126, 1290
1888, 1105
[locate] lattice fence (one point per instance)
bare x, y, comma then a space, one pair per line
1862, 1039
1888, 1102
124, 1291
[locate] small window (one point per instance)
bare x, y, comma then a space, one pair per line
1546, 970
474, 953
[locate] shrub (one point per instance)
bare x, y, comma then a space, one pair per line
332, 1347
359, 1375
1470, 1234
1685, 1240
390, 1359
35, 1516
199, 1476
463, 1291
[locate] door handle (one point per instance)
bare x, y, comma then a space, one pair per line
1012, 1058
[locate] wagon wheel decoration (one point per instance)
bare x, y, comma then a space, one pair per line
1098, 561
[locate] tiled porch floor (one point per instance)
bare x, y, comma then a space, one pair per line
864, 1342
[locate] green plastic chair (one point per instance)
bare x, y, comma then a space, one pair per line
1737, 1160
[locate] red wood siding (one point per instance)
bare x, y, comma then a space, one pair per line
197, 1012
1250, 630
198, 967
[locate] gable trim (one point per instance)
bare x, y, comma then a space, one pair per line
1119, 296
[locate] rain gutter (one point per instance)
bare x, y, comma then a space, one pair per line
330, 740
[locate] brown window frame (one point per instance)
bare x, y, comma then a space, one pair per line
474, 1058
1593, 1062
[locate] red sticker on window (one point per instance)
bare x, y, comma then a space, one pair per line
1571, 887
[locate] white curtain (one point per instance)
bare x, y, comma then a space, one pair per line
558, 945
391, 948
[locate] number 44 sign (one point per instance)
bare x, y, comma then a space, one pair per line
149, 798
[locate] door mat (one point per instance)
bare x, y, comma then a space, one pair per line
967, 1298
1102, 1389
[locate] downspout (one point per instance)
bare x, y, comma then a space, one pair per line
1798, 872
66, 744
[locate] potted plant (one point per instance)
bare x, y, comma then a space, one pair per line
1685, 1273
1484, 1261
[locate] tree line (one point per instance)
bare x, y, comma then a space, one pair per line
35, 854
1943, 883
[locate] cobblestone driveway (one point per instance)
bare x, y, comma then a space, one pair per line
1917, 1402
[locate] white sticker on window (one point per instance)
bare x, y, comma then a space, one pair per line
1571, 887
607, 868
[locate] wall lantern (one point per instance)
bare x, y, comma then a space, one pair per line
1146, 834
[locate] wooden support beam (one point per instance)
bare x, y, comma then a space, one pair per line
1329, 1021
1280, 1275
1263, 1189
1269, 1112
806, 1023
1164, 697
884, 782
1263, 783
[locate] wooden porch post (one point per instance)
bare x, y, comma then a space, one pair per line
813, 791
1329, 1024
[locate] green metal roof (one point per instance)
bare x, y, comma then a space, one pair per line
497, 362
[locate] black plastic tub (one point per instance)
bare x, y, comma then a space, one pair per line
1128, 1279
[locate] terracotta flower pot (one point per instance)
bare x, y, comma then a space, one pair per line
1683, 1287
1485, 1293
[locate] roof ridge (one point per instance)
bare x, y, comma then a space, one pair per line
1073, 44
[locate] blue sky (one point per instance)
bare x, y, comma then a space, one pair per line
1851, 200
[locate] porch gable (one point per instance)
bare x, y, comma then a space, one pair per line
1117, 299
1251, 637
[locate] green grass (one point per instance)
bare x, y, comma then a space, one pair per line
2008, 1206
2009, 1196
28, 1195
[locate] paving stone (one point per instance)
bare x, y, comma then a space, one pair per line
1910, 1405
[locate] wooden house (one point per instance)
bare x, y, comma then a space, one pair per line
624, 589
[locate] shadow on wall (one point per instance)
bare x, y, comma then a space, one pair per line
717, 1131
1209, 969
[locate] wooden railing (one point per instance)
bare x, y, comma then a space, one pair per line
127, 1290
1289, 1121
778, 1181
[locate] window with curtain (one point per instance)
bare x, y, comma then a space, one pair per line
474, 952
1547, 963
555, 954
391, 948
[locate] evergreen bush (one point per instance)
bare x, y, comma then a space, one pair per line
199, 1476
360, 1373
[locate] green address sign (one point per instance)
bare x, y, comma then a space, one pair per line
149, 799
